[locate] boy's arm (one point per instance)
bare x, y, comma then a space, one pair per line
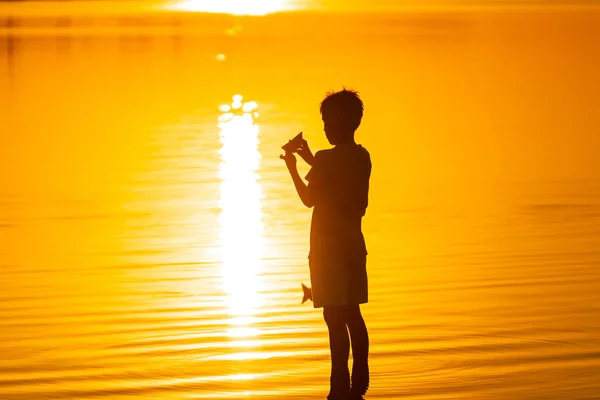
303, 190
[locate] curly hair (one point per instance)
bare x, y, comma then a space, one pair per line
344, 105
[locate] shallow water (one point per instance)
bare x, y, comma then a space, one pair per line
149, 250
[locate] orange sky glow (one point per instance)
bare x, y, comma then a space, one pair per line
263, 7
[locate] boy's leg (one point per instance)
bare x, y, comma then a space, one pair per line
360, 349
339, 345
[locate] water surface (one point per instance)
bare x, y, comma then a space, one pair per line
152, 245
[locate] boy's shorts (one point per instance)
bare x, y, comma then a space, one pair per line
338, 282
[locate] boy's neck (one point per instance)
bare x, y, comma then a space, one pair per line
347, 140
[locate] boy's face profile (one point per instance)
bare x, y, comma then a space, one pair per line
332, 129
341, 113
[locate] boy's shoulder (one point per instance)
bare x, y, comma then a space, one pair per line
343, 160
324, 156
364, 152
324, 152
345, 154
332, 152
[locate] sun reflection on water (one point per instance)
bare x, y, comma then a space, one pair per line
241, 228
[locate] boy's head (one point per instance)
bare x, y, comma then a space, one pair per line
342, 112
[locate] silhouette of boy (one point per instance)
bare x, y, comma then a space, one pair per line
338, 186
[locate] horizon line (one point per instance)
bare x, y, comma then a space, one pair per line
11, 8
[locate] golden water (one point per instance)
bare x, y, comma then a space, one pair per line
152, 244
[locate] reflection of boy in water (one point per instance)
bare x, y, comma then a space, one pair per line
338, 186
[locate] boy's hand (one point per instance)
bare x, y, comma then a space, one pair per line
290, 160
304, 152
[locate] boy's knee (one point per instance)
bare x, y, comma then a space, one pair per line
334, 315
353, 314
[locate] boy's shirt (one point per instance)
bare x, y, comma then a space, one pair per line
339, 184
